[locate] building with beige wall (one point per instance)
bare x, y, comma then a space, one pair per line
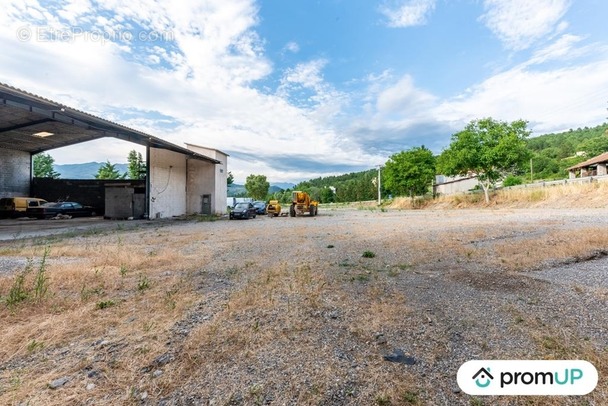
218, 174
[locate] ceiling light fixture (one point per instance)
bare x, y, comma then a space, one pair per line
43, 134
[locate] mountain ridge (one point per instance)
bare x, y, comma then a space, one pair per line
86, 170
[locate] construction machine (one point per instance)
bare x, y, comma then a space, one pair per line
273, 209
301, 203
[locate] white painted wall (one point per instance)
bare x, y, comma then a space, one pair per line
455, 185
167, 183
201, 181
220, 175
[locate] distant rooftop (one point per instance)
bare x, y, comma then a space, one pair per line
592, 161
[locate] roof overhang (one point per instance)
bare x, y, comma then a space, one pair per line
34, 124
600, 159
188, 144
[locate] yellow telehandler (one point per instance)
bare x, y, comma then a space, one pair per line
301, 203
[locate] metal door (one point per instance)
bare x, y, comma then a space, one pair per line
206, 209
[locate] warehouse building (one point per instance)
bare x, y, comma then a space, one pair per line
178, 180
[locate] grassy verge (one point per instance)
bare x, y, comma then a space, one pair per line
590, 195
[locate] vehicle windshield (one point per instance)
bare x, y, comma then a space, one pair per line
241, 205
52, 205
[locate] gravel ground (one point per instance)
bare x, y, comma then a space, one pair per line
421, 296
456, 310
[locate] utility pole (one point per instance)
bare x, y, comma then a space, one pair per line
531, 171
379, 193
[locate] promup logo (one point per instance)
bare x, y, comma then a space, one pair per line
483, 375
514, 377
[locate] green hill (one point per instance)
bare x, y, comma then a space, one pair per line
553, 153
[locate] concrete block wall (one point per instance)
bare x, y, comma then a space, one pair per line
456, 186
14, 173
167, 183
220, 173
201, 181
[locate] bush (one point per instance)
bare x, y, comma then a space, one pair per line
512, 181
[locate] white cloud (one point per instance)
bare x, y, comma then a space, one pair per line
320, 101
407, 13
292, 47
403, 98
201, 78
74, 10
397, 114
552, 100
563, 48
305, 74
520, 23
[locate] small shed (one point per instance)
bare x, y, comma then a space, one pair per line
595, 166
448, 185
123, 201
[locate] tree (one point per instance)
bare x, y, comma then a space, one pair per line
137, 167
486, 148
327, 195
230, 179
410, 172
257, 186
43, 166
283, 196
109, 171
594, 146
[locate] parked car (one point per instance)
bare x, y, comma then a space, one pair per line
73, 209
260, 207
18, 206
244, 210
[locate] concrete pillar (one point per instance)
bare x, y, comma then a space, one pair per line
601, 169
572, 174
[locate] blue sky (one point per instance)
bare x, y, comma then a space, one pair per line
299, 89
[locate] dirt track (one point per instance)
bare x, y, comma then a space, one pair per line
15, 229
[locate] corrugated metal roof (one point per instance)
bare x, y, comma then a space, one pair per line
24, 114
595, 160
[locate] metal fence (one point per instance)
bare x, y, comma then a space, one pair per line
574, 181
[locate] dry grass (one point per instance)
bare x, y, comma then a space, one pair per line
510, 249
555, 246
290, 304
100, 296
589, 195
554, 343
